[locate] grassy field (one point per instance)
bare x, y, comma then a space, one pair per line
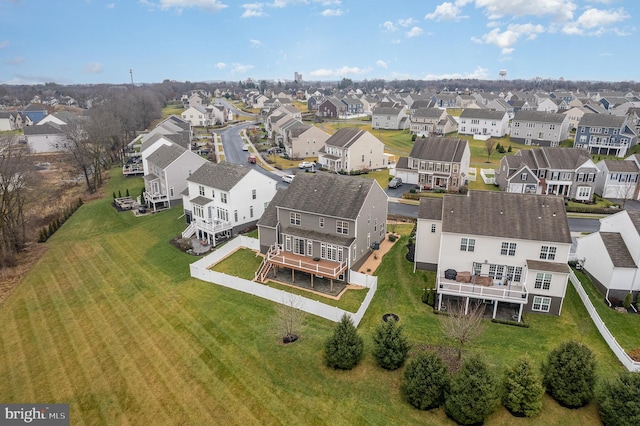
110, 321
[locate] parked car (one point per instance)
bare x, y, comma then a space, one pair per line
395, 182
288, 178
306, 164
252, 159
245, 147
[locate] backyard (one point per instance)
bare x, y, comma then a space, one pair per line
110, 321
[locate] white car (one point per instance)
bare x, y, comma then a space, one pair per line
288, 178
245, 147
306, 164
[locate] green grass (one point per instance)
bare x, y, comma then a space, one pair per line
242, 263
110, 321
350, 301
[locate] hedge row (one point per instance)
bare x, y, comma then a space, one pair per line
55, 224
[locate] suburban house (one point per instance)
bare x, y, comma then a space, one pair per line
539, 128
223, 199
483, 122
612, 255
35, 112
389, 117
323, 225
508, 251
445, 100
605, 134
197, 115
351, 149
568, 172
332, 107
617, 179
168, 168
424, 121
6, 124
51, 133
436, 162
574, 114
304, 141
499, 104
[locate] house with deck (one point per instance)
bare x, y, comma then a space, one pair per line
611, 256
605, 134
539, 128
505, 250
322, 225
222, 199
351, 149
483, 123
436, 163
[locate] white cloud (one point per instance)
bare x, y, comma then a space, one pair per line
180, 5
4, 43
220, 65
479, 73
255, 43
381, 63
561, 10
339, 72
414, 32
446, 11
17, 60
406, 22
240, 68
253, 10
389, 26
111, 5
596, 22
506, 39
332, 12
93, 68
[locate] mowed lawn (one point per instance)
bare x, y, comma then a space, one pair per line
110, 321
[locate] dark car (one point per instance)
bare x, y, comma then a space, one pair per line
395, 182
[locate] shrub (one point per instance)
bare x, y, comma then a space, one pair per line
343, 349
569, 374
522, 389
628, 299
425, 381
464, 190
431, 297
392, 237
413, 137
509, 149
390, 345
619, 400
472, 394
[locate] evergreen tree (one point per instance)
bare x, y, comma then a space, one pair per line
391, 347
343, 349
425, 381
569, 374
522, 389
472, 394
619, 400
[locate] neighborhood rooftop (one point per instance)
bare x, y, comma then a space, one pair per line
438, 149
222, 176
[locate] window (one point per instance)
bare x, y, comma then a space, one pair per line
235, 215
250, 211
548, 253
496, 271
294, 218
369, 219
213, 193
433, 228
321, 222
467, 244
508, 249
514, 273
201, 190
198, 211
524, 176
223, 198
541, 304
253, 194
583, 192
342, 227
223, 214
171, 191
331, 252
543, 281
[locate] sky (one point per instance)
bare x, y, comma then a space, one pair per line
96, 41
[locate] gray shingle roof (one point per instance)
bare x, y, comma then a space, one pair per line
553, 158
165, 155
222, 176
438, 149
428, 112
634, 215
507, 215
624, 166
539, 116
602, 120
542, 265
201, 201
430, 208
484, 114
327, 194
345, 137
270, 216
617, 249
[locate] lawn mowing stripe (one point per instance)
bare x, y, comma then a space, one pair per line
17, 366
118, 314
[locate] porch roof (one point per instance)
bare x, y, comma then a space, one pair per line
541, 265
318, 236
201, 201
150, 177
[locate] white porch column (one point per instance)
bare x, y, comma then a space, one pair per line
495, 309
439, 301
466, 306
520, 313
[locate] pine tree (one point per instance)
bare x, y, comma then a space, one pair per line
391, 347
619, 400
425, 381
522, 389
472, 394
569, 374
343, 349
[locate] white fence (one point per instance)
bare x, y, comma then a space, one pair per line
200, 270
471, 177
488, 176
624, 358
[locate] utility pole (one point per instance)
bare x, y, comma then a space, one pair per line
131, 72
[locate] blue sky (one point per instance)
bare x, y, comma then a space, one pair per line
96, 41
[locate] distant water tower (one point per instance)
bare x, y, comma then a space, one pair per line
503, 74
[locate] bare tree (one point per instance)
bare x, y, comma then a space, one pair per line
489, 144
15, 175
626, 190
463, 327
289, 317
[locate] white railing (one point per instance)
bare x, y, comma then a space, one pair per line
471, 177
212, 226
515, 295
619, 352
273, 255
154, 198
201, 270
188, 233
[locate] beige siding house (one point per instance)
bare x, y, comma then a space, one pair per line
351, 149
